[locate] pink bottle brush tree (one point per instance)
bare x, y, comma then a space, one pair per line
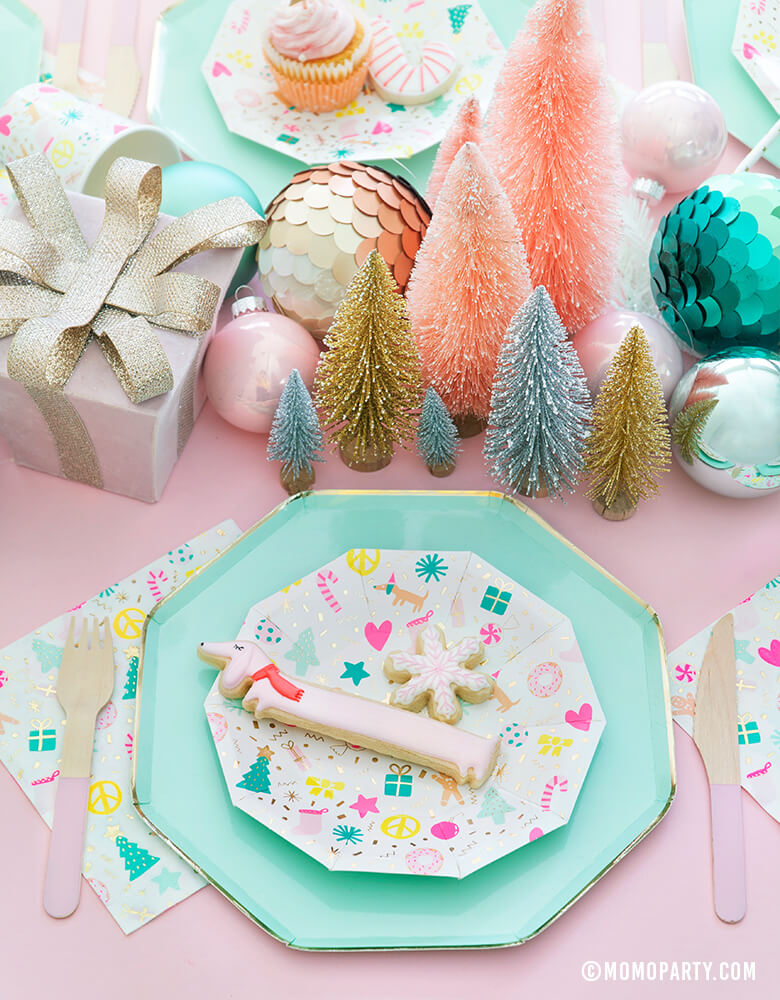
466, 127
469, 279
551, 137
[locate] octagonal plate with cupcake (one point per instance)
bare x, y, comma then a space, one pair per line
324, 80
344, 626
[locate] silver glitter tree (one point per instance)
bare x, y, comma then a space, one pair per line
540, 407
437, 436
296, 438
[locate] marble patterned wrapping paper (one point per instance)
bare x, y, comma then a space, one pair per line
369, 128
755, 42
132, 871
353, 809
757, 650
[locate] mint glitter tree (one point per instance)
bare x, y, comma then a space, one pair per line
257, 778
437, 435
296, 437
540, 409
137, 859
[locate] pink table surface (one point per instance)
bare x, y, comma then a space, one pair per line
690, 554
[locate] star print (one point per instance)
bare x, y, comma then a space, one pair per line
741, 650
167, 880
131, 651
265, 752
396, 107
364, 805
354, 672
112, 832
439, 106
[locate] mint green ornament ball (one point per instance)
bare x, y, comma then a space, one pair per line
192, 184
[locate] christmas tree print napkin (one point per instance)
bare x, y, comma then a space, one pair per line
133, 872
757, 650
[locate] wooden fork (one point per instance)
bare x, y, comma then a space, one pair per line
84, 685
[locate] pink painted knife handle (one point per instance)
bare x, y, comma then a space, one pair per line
66, 847
728, 852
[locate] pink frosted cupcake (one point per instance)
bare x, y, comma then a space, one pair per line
318, 53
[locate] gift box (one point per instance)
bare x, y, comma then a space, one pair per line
42, 736
120, 415
399, 781
747, 730
496, 600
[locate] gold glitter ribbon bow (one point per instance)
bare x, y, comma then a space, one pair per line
56, 291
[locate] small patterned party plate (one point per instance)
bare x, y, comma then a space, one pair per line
180, 100
356, 810
241, 84
628, 789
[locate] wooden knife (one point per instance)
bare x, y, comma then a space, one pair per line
715, 734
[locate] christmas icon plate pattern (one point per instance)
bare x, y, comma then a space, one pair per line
356, 810
241, 84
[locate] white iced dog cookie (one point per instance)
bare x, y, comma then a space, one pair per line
268, 693
397, 80
438, 676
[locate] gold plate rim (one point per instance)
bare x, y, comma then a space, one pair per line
523, 508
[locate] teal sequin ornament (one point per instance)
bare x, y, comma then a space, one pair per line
715, 265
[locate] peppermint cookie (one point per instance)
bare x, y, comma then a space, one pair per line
395, 78
438, 676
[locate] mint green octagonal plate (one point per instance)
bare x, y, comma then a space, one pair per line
178, 784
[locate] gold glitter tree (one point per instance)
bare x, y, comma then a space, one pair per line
688, 427
629, 445
368, 383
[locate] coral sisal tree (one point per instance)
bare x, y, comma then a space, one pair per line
629, 446
541, 406
466, 127
469, 279
367, 384
552, 140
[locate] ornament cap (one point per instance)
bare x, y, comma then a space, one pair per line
647, 188
246, 303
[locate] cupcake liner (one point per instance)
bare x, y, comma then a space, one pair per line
319, 95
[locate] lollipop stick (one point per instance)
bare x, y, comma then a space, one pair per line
759, 149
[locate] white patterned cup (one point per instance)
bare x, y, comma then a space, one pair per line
81, 140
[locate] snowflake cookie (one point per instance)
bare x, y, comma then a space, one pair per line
438, 675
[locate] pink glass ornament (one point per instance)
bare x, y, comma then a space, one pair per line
248, 363
673, 136
597, 343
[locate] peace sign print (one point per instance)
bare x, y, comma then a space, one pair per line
400, 827
129, 622
104, 798
62, 153
362, 562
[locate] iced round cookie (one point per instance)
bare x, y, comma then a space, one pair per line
438, 676
397, 80
545, 679
424, 861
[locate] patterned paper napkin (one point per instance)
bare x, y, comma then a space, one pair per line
757, 647
755, 45
132, 871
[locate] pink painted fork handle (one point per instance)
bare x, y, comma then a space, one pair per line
66, 847
728, 852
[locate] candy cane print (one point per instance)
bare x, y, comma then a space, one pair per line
395, 79
153, 582
548, 790
327, 593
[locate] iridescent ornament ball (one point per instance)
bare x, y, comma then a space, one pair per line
596, 345
715, 265
249, 361
673, 135
321, 228
738, 454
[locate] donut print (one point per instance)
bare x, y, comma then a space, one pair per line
424, 861
545, 679
218, 725
106, 717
